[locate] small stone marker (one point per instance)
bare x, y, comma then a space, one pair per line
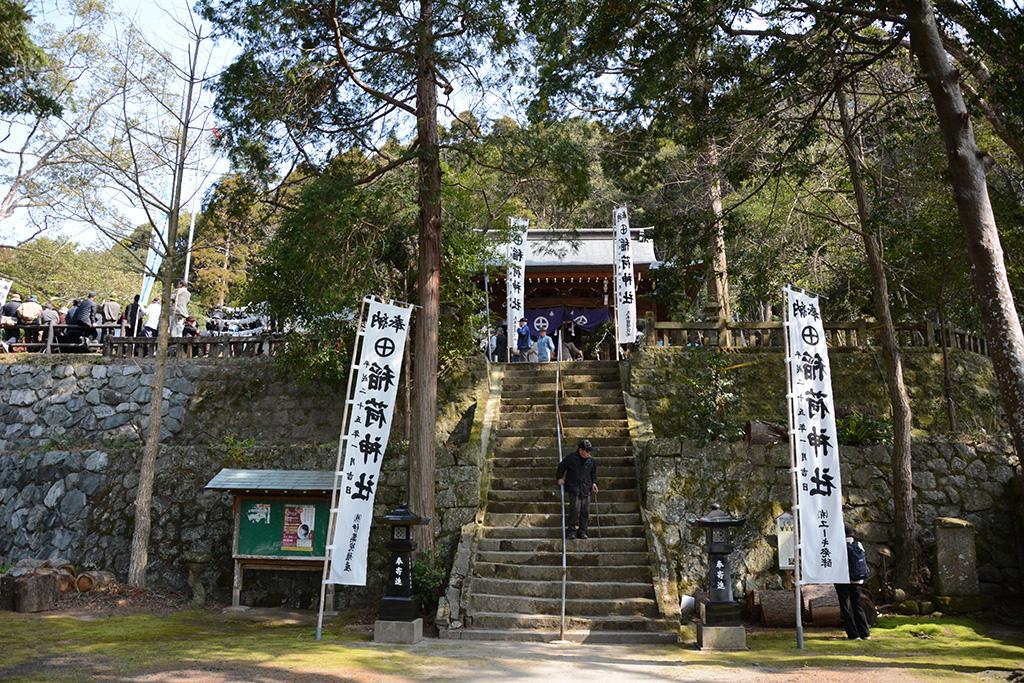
956, 559
956, 580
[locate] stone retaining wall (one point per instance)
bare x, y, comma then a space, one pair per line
680, 480
69, 468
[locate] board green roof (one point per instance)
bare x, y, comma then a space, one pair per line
267, 481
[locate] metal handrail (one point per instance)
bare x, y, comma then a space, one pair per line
561, 488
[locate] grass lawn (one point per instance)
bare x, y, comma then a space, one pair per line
203, 645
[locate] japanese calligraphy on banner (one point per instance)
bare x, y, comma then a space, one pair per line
515, 283
625, 288
5, 289
814, 444
369, 425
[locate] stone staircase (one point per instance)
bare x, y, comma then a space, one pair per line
515, 579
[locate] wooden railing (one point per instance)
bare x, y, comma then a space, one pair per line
857, 334
195, 347
57, 338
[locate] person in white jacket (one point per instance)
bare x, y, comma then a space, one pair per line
180, 312
151, 321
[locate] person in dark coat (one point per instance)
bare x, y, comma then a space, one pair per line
577, 473
83, 319
133, 317
524, 341
501, 347
850, 607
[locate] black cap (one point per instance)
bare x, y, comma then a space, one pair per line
585, 445
848, 529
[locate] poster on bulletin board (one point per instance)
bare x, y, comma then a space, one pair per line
271, 528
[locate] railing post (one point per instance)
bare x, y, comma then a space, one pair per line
649, 331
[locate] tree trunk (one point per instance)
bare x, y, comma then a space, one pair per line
147, 467
967, 168
718, 272
422, 444
902, 480
947, 374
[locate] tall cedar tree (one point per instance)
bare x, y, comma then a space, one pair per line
317, 77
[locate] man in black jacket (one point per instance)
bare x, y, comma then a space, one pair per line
578, 474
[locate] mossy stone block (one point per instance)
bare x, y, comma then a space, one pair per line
907, 608
962, 604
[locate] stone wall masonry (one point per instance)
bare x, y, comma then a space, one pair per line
758, 386
69, 465
45, 404
680, 480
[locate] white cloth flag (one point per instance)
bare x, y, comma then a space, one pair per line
515, 282
814, 443
154, 257
625, 288
366, 438
5, 289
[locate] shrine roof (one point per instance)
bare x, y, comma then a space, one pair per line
292, 481
588, 248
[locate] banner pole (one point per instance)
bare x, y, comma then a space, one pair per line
615, 294
797, 557
332, 511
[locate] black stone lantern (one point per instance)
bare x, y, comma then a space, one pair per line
398, 603
719, 609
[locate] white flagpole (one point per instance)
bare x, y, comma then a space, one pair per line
192, 210
332, 511
793, 472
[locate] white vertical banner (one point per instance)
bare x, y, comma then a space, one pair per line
625, 288
515, 282
371, 409
814, 443
5, 289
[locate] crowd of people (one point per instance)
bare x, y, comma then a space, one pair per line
530, 346
86, 320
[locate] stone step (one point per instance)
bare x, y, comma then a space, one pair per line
553, 573
574, 369
600, 448
554, 545
547, 383
501, 466
546, 473
526, 605
536, 402
553, 507
531, 421
611, 411
540, 496
570, 437
574, 636
553, 519
574, 590
504, 620
602, 451
555, 532
576, 559
607, 482
546, 392
547, 428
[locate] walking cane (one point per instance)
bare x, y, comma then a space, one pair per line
597, 515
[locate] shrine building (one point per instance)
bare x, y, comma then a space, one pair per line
574, 270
